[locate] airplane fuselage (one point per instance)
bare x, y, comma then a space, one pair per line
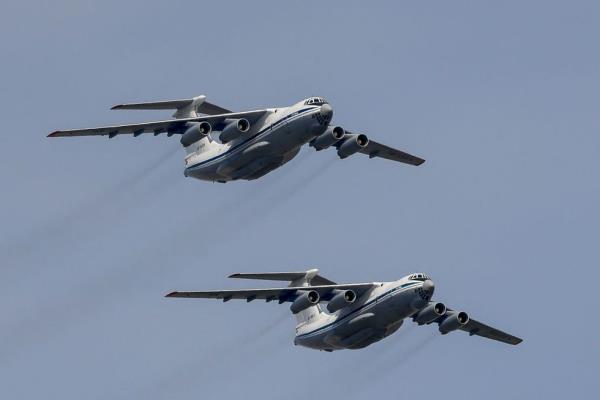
272, 141
371, 319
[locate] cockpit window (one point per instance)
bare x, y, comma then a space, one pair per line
418, 277
315, 101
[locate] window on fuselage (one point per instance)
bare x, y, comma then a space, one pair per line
418, 277
315, 101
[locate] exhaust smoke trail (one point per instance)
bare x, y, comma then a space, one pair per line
199, 365
93, 295
285, 193
393, 365
87, 211
89, 297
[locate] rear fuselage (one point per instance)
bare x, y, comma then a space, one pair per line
271, 141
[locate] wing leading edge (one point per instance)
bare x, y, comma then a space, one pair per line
375, 149
172, 126
477, 328
474, 327
282, 295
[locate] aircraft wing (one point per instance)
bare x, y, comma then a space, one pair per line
280, 294
474, 327
477, 328
374, 149
172, 126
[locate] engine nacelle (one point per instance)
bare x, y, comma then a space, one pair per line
332, 135
453, 321
234, 130
430, 313
341, 300
195, 133
352, 144
305, 300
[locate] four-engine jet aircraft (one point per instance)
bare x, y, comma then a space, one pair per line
249, 144
357, 314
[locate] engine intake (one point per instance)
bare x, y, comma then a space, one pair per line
453, 321
352, 144
430, 313
234, 130
305, 300
195, 133
332, 135
341, 300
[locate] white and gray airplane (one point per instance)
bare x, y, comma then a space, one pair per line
222, 145
356, 314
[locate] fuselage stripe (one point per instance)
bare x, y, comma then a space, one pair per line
250, 139
341, 320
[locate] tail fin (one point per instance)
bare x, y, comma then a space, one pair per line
306, 278
186, 108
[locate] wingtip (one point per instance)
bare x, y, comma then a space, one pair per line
172, 294
234, 275
116, 106
53, 134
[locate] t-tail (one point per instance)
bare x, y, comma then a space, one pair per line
306, 307
195, 135
185, 108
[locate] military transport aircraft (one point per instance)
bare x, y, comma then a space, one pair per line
357, 314
249, 144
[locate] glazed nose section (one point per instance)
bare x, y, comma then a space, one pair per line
326, 109
428, 288
326, 113
423, 294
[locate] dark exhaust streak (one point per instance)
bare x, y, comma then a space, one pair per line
283, 194
395, 363
248, 204
87, 211
201, 363
89, 297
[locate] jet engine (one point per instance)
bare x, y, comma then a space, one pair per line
430, 313
352, 144
234, 130
195, 133
305, 300
453, 321
332, 135
341, 300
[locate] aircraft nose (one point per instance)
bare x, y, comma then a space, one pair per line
325, 114
428, 287
326, 109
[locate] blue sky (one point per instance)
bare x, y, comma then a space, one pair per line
500, 98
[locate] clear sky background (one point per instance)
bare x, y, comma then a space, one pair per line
501, 98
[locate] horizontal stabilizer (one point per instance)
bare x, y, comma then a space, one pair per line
311, 275
153, 105
185, 107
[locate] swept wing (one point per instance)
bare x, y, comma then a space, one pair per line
286, 294
474, 327
375, 149
477, 328
171, 126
